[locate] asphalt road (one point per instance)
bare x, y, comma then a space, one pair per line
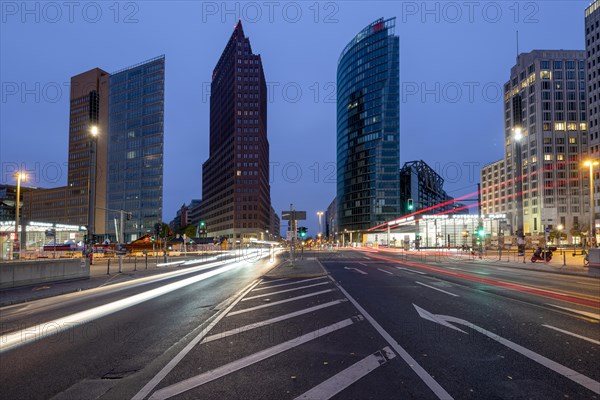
380, 326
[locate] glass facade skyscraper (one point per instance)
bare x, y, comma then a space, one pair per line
135, 147
368, 137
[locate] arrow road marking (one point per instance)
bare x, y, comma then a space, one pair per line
347, 377
431, 383
575, 376
356, 269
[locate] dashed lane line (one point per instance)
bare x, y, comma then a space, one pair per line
572, 334
438, 289
383, 270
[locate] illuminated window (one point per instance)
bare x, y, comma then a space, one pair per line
559, 126
545, 74
560, 157
571, 126
583, 126
572, 140
547, 157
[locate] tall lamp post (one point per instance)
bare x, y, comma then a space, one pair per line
17, 244
320, 214
591, 164
518, 191
92, 182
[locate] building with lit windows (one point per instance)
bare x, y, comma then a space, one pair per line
115, 154
368, 150
592, 47
135, 161
424, 189
70, 204
544, 106
236, 194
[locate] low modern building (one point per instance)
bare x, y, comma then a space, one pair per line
421, 188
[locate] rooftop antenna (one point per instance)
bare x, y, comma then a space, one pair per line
517, 46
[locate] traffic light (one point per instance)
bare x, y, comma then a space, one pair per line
302, 232
157, 229
481, 232
85, 238
410, 205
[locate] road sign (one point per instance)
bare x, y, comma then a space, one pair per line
547, 230
289, 235
293, 215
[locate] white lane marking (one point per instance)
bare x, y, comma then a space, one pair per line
287, 284
304, 296
226, 369
274, 280
347, 377
438, 289
284, 291
586, 313
572, 334
435, 387
356, 269
35, 333
367, 258
456, 268
410, 270
567, 372
270, 321
363, 264
589, 284
383, 270
148, 387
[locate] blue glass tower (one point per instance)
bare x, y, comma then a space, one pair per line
368, 149
135, 147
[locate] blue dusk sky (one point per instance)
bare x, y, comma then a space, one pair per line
454, 59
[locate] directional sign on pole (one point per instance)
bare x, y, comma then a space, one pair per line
293, 215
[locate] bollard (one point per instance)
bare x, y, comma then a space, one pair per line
108, 267
564, 259
120, 263
146, 260
135, 263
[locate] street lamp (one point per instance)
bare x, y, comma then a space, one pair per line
320, 214
591, 164
518, 189
560, 228
17, 244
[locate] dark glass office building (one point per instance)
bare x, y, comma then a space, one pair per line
368, 149
236, 198
135, 147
